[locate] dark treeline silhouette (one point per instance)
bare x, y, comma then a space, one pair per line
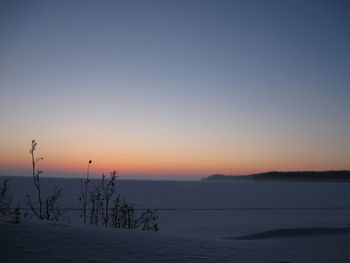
317, 176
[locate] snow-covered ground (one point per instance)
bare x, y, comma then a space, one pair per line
200, 222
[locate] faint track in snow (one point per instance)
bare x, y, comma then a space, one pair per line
295, 232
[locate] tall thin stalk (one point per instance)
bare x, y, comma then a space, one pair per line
84, 191
36, 179
108, 190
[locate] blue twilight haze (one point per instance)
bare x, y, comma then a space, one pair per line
176, 87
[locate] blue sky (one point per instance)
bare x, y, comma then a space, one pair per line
188, 87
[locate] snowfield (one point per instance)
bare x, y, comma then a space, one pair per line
200, 222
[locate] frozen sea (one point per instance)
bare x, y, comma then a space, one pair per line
239, 221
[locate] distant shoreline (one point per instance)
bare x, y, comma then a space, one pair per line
293, 176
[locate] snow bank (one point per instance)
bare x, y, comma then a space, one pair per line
200, 222
34, 241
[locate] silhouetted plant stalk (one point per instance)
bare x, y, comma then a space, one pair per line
5, 198
84, 192
48, 208
36, 179
51, 211
16, 214
122, 214
96, 202
149, 220
108, 191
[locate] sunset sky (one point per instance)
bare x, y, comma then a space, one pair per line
174, 89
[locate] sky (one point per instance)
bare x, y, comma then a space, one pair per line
174, 89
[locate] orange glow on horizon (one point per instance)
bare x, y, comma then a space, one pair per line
156, 165
156, 158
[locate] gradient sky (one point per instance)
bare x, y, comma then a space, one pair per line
175, 88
